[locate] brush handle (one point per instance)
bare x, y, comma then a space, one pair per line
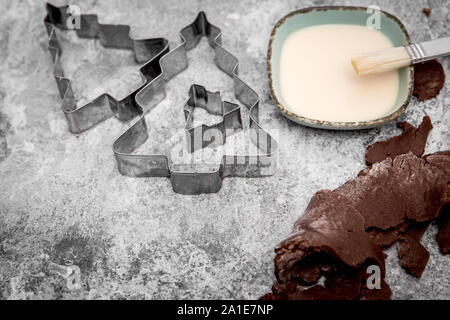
428, 50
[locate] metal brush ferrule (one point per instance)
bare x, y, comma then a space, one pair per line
428, 50
416, 52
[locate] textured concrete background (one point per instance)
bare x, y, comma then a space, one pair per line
72, 227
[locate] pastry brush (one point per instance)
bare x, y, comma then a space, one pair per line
394, 58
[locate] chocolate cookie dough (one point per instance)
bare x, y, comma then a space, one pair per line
342, 232
395, 195
328, 241
406, 188
426, 11
413, 256
440, 159
386, 238
412, 139
429, 78
443, 236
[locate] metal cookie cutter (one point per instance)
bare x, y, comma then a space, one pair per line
161, 67
111, 36
194, 182
204, 135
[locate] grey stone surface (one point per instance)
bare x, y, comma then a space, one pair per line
72, 227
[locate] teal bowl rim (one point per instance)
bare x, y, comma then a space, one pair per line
331, 124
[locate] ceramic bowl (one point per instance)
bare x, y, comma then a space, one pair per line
390, 26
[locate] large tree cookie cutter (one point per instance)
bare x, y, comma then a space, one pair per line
161, 67
111, 36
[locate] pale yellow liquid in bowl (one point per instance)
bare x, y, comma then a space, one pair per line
317, 79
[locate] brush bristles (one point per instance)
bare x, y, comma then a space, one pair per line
381, 61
